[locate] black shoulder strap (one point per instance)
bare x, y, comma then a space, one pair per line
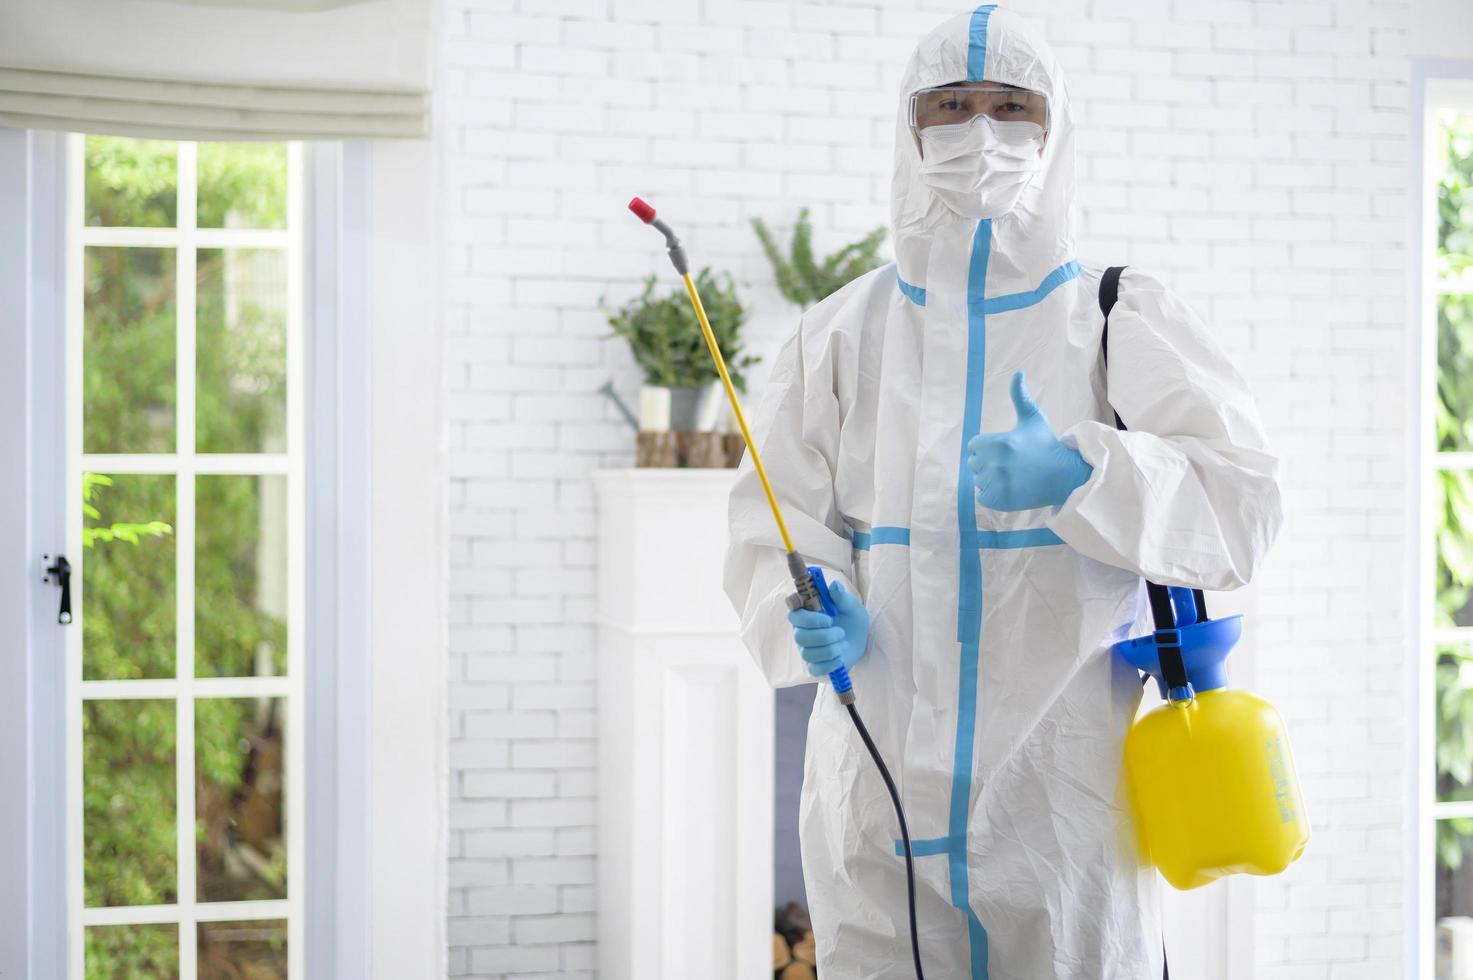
1109, 292
1168, 643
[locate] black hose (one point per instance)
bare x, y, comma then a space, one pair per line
910, 871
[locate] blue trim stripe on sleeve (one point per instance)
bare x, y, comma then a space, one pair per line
1028, 537
915, 294
923, 848
977, 42
864, 540
1017, 301
1023, 537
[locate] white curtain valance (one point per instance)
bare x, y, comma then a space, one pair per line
298, 69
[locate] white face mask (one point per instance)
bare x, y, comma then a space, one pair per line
979, 169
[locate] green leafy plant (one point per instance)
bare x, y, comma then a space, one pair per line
129, 531
666, 338
801, 278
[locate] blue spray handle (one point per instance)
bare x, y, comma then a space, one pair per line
839, 676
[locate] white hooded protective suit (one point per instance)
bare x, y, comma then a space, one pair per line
988, 682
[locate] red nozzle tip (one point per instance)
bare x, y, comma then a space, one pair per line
642, 210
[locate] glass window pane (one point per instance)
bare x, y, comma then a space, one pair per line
241, 351
128, 839
242, 950
240, 803
1454, 867
146, 952
131, 183
240, 576
1454, 581
128, 390
128, 576
1454, 717
1455, 372
242, 185
1455, 194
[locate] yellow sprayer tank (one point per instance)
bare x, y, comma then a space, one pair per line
1211, 775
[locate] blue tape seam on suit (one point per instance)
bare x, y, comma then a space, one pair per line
1012, 301
969, 602
969, 593
1026, 537
977, 43
915, 294
1017, 301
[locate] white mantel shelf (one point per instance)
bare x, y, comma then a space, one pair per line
685, 719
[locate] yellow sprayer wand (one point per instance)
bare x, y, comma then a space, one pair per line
736, 408
812, 590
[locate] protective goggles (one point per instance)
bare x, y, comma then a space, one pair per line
963, 103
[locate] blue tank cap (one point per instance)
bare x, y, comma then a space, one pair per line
1204, 650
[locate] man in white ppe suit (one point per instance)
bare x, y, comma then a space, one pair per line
941, 434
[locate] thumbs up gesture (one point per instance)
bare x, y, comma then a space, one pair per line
1028, 466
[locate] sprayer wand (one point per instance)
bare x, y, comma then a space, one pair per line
811, 589
812, 592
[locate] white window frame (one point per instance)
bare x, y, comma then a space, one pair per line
338, 564
1436, 84
333, 875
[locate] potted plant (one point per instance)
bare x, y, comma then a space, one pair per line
681, 393
804, 280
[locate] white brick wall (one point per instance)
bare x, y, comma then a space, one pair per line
1257, 161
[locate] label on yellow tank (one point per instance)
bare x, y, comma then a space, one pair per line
1279, 772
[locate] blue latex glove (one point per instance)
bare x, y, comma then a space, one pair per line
1028, 466
830, 642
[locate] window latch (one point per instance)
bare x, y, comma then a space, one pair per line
59, 572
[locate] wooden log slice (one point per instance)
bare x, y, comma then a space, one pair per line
701, 450
782, 953
805, 950
793, 922
655, 450
735, 447
798, 970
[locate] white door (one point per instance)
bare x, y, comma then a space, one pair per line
153, 378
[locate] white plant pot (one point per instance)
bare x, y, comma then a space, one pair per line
654, 409
663, 409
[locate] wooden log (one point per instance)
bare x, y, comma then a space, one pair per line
798, 970
701, 450
735, 447
805, 950
655, 450
792, 921
782, 953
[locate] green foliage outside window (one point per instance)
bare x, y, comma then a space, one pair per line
131, 532
1454, 433
131, 183
241, 185
1455, 197
141, 952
